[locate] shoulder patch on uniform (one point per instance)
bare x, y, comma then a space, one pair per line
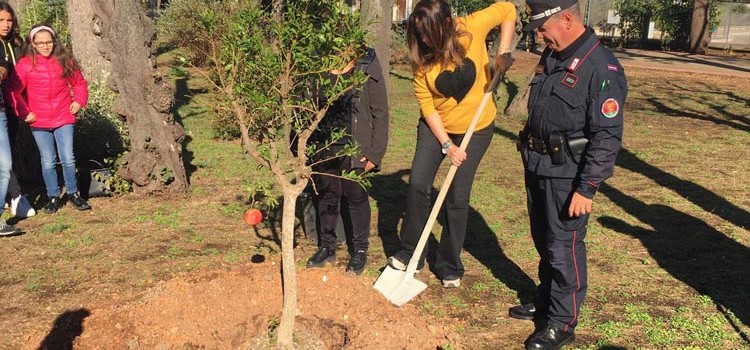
610, 108
612, 67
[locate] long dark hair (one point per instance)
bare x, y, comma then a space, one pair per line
431, 22
63, 56
14, 36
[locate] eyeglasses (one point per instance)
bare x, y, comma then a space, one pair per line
44, 43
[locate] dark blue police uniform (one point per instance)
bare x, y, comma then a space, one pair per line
569, 144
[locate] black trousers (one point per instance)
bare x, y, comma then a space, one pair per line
14, 188
559, 240
427, 159
331, 191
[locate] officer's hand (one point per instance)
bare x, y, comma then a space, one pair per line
503, 63
456, 155
579, 205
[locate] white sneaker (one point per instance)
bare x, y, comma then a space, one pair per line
21, 207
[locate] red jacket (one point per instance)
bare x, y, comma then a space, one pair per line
48, 93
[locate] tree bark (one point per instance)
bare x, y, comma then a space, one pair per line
699, 27
376, 17
125, 35
288, 270
85, 31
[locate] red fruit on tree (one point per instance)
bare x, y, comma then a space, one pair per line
253, 216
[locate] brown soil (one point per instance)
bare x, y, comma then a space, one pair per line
238, 310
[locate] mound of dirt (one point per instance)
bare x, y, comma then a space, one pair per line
237, 309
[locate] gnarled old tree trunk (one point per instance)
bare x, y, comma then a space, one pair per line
120, 32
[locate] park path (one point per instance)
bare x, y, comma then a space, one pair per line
678, 62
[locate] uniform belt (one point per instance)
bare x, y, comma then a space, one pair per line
537, 145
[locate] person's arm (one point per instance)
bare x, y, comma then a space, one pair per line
80, 91
433, 119
609, 91
13, 91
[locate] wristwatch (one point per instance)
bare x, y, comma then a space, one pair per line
446, 146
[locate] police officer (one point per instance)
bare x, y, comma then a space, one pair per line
569, 146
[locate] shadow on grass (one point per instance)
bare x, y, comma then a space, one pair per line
692, 251
481, 242
182, 96
66, 328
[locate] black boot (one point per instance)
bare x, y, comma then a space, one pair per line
357, 262
52, 206
78, 202
522, 312
549, 338
322, 256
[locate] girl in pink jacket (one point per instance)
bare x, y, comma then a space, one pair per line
48, 74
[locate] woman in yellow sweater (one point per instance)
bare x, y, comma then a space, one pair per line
451, 72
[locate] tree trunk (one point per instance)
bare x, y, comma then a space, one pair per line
519, 105
16, 5
376, 16
154, 163
85, 31
699, 27
285, 334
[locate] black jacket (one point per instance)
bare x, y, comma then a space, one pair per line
579, 92
363, 112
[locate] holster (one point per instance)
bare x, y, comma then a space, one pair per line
557, 148
577, 146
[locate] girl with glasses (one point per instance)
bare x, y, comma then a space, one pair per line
55, 92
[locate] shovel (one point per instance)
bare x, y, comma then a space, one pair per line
400, 286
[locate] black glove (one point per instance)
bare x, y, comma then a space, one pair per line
503, 63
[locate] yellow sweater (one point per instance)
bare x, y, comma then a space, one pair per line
457, 115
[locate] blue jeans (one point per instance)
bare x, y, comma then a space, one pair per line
6, 158
51, 143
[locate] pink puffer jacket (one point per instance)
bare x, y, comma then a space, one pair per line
48, 93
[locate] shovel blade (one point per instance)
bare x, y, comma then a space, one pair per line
398, 286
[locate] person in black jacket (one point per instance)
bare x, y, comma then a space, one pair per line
11, 41
569, 145
363, 114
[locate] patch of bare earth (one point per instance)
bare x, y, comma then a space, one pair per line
236, 309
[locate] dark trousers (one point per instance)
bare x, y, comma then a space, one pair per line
14, 188
427, 159
559, 240
331, 191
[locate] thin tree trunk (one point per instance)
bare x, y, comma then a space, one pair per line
376, 17
699, 27
285, 334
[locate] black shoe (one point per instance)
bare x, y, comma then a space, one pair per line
357, 262
7, 229
322, 256
549, 338
522, 312
78, 202
52, 206
400, 261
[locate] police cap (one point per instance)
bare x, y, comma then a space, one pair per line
541, 10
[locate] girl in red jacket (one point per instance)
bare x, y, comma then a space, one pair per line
48, 74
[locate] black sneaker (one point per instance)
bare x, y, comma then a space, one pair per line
52, 206
522, 312
7, 229
78, 202
357, 262
322, 256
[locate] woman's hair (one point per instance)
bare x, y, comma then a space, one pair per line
63, 56
432, 35
14, 35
